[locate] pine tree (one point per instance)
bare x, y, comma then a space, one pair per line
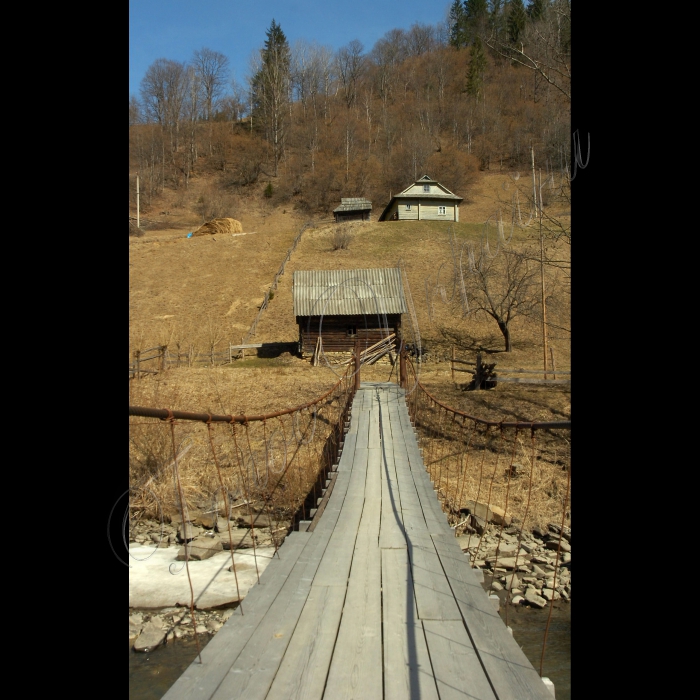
271, 89
516, 20
477, 67
456, 21
536, 9
476, 14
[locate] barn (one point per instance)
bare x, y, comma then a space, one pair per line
352, 209
425, 200
343, 306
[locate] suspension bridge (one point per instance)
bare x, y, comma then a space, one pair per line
371, 598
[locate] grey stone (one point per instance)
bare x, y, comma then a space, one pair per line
151, 636
550, 594
535, 600
554, 544
517, 600
540, 533
566, 557
200, 549
477, 523
222, 525
480, 510
507, 550
506, 562
496, 586
260, 521
227, 613
530, 546
537, 571
208, 520
214, 625
201, 629
516, 592
241, 538
187, 531
511, 582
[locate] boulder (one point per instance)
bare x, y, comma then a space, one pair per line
208, 520
517, 600
241, 538
481, 510
151, 636
554, 544
201, 548
500, 517
511, 582
534, 599
187, 531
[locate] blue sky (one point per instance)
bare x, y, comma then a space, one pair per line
174, 29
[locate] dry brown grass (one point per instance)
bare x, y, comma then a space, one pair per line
198, 291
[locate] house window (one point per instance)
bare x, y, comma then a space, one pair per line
408, 207
426, 188
352, 331
441, 210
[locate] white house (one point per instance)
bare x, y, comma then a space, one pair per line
425, 199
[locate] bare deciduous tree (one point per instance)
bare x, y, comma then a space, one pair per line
503, 287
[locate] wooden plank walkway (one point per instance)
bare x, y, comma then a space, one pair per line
377, 603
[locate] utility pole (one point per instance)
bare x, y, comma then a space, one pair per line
138, 213
544, 302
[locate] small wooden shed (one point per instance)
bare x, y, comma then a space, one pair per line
342, 306
353, 209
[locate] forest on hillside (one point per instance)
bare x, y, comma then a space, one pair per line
312, 125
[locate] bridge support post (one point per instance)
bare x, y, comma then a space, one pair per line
357, 365
402, 367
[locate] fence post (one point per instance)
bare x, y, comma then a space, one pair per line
477, 376
230, 358
357, 364
402, 367
452, 364
163, 350
137, 355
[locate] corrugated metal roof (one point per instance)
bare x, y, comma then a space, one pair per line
353, 204
348, 292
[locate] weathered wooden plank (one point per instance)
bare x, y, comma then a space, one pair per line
434, 598
303, 671
511, 674
201, 680
354, 671
458, 672
407, 669
253, 671
335, 566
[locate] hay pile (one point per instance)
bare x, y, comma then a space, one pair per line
219, 226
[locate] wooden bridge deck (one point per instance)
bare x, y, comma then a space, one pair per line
377, 603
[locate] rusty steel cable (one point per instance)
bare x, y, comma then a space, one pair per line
184, 532
228, 510
527, 505
488, 502
505, 515
556, 565
246, 492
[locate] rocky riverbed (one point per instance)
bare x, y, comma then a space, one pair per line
520, 568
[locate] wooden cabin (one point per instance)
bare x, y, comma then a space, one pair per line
352, 209
425, 200
342, 306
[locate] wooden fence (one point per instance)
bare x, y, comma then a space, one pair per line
486, 376
273, 287
162, 357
